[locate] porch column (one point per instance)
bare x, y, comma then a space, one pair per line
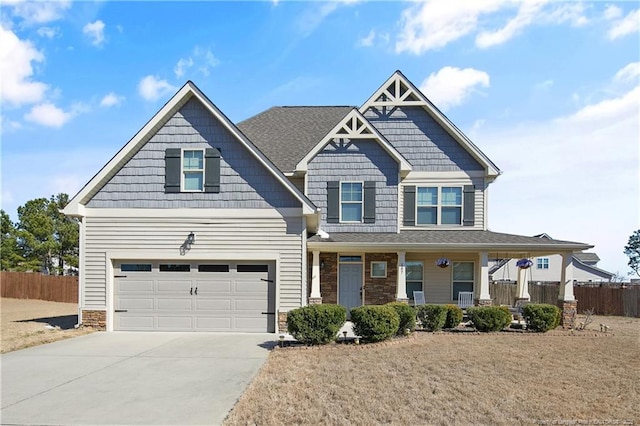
401, 290
315, 297
483, 298
522, 287
566, 300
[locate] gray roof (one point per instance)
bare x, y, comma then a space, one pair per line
286, 134
464, 238
587, 257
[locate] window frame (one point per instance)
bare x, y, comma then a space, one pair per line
542, 263
183, 171
379, 262
439, 206
361, 202
454, 281
407, 281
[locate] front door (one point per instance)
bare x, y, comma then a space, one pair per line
350, 285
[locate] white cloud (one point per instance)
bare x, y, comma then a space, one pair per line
48, 32
111, 99
182, 65
450, 86
95, 32
316, 13
38, 12
16, 57
544, 85
47, 114
628, 25
527, 13
152, 88
612, 12
434, 24
629, 73
368, 40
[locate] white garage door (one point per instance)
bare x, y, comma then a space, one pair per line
179, 296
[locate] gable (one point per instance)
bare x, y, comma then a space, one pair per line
244, 182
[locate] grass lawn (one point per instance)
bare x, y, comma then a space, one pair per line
463, 379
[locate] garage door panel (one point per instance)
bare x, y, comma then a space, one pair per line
171, 322
251, 286
215, 305
175, 304
217, 287
136, 322
250, 323
140, 303
251, 305
135, 286
175, 286
214, 323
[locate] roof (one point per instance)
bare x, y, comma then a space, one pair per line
186, 92
464, 239
305, 126
587, 257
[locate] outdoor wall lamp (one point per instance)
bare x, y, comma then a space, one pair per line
322, 264
191, 238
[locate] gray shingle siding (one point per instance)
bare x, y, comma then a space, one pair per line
421, 140
361, 160
244, 182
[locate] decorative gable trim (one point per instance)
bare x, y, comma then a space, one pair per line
399, 91
355, 126
186, 92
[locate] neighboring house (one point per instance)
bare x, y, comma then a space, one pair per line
549, 268
201, 224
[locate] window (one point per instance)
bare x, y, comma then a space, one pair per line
175, 268
252, 268
135, 267
193, 170
462, 277
414, 277
213, 268
378, 269
542, 263
348, 258
439, 206
351, 202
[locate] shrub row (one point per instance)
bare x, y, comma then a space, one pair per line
541, 317
489, 318
437, 317
316, 324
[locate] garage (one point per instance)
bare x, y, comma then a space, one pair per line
194, 296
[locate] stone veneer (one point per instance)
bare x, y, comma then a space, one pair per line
483, 302
95, 319
329, 277
378, 291
569, 311
282, 322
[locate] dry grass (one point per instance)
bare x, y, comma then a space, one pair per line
463, 379
28, 323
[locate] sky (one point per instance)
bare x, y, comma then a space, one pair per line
550, 91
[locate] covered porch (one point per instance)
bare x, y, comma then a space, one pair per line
353, 269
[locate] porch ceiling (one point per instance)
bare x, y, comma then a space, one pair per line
497, 243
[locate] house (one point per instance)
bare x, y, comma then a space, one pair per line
200, 224
548, 268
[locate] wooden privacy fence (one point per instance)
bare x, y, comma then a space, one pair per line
31, 285
605, 300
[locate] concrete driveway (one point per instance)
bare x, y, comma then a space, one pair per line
127, 378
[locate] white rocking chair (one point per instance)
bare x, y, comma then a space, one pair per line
465, 299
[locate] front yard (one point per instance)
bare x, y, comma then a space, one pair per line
442, 378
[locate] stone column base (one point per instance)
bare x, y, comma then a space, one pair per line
523, 299
569, 311
315, 300
95, 319
404, 300
483, 302
282, 322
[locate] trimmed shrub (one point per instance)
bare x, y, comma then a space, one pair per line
541, 317
432, 317
374, 323
454, 316
407, 316
489, 318
316, 324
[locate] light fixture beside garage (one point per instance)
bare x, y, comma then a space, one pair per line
191, 238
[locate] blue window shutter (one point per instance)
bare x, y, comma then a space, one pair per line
468, 205
409, 211
370, 202
212, 170
172, 170
333, 201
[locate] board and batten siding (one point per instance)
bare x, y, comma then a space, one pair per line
216, 239
244, 181
480, 188
421, 140
360, 161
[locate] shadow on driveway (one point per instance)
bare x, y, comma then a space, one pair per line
65, 322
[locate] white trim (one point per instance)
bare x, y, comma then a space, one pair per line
465, 176
183, 95
397, 79
351, 202
355, 126
81, 269
303, 270
371, 269
183, 171
439, 207
475, 276
203, 213
361, 262
424, 271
